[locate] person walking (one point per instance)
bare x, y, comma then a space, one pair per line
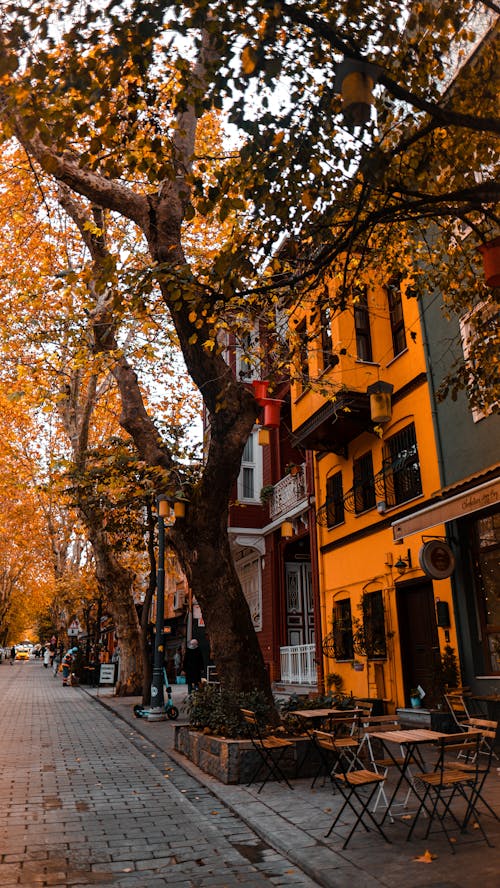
66, 668
193, 665
46, 656
12, 654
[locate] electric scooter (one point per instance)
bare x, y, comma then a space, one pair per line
171, 711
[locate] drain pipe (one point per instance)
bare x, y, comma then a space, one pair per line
313, 541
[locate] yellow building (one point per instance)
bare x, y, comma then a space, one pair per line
385, 621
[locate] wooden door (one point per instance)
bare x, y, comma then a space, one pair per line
299, 603
419, 640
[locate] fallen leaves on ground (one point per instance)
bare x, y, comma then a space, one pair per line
426, 857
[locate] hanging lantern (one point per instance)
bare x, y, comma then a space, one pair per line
260, 387
272, 409
380, 401
264, 437
287, 529
355, 80
179, 509
491, 262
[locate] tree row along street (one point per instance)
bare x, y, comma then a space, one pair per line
88, 801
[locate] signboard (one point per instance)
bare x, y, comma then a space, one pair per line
436, 559
74, 628
107, 673
480, 497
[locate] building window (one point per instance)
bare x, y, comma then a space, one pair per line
362, 324
401, 467
363, 483
473, 325
374, 625
487, 580
396, 316
302, 354
249, 480
342, 630
334, 500
327, 355
250, 578
247, 364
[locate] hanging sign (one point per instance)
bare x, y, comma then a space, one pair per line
436, 559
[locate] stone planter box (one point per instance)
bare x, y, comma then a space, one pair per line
234, 761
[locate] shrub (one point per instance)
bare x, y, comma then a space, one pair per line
217, 710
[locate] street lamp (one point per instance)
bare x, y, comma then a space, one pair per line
157, 712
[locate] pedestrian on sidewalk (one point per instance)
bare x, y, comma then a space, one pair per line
12, 654
66, 667
193, 665
46, 656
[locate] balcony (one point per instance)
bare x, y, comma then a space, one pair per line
298, 664
288, 493
334, 425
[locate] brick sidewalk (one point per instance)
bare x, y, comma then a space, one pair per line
295, 822
87, 800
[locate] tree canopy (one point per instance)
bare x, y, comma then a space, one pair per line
108, 100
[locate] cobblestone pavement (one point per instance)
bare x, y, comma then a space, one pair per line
87, 800
295, 823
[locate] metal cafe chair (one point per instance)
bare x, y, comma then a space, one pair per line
270, 750
442, 786
381, 765
352, 785
333, 750
482, 767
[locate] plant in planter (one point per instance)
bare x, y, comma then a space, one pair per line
213, 710
266, 493
292, 469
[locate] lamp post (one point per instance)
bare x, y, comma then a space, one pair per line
157, 712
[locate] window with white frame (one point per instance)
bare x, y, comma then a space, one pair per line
250, 575
247, 363
468, 334
250, 477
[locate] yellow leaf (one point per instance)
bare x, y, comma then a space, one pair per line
248, 60
427, 857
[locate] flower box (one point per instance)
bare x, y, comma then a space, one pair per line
234, 761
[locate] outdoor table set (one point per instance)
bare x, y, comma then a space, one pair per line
448, 791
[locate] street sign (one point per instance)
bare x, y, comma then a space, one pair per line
107, 673
74, 628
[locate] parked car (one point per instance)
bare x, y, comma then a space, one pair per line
23, 652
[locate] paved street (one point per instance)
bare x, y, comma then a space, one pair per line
87, 801
90, 797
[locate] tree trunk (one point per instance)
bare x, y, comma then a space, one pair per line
115, 582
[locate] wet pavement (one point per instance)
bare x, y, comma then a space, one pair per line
92, 795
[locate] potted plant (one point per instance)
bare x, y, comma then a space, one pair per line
292, 469
266, 493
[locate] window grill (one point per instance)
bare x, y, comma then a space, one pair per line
401, 467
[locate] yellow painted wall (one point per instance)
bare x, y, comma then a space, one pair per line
365, 564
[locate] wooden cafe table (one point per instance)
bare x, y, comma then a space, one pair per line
411, 742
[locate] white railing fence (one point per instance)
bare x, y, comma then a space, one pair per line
298, 664
287, 493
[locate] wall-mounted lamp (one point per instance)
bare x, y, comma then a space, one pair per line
264, 437
403, 565
287, 529
380, 401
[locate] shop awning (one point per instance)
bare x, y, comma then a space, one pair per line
473, 500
